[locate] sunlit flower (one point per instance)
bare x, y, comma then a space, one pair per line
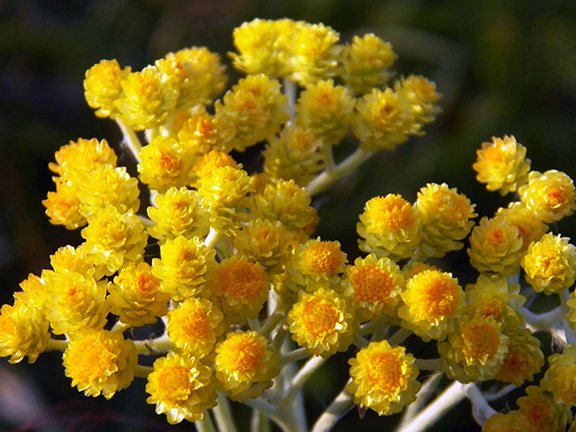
422, 97
78, 158
62, 206
530, 226
546, 415
550, 195
102, 86
560, 378
512, 421
524, 358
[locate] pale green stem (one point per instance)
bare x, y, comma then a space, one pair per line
427, 364
223, 415
131, 140
481, 410
212, 238
426, 418
259, 423
120, 327
287, 420
339, 406
294, 356
400, 336
159, 345
570, 335
293, 402
329, 164
543, 321
324, 180
360, 342
500, 393
271, 323
142, 371
145, 221
428, 389
254, 324
301, 377
290, 92
56, 345
206, 424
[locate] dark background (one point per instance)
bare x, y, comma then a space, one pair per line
504, 67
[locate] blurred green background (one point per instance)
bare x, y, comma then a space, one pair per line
504, 67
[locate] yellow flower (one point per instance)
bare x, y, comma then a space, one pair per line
322, 322
560, 378
102, 86
23, 332
68, 260
207, 163
530, 226
546, 415
445, 216
502, 165
431, 300
63, 206
77, 159
367, 62
384, 378
550, 195
550, 264
75, 302
33, 293
135, 296
326, 110
524, 358
183, 267
114, 239
375, 286
496, 247
474, 351
165, 163
389, 226
244, 365
422, 97
203, 133
242, 287
181, 387
512, 421
146, 99
194, 326
178, 212
100, 362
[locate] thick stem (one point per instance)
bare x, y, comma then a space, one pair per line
339, 406
302, 376
131, 140
223, 415
206, 424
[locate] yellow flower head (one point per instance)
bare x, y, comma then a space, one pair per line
389, 226
183, 267
33, 293
475, 351
422, 97
146, 99
135, 296
502, 165
68, 260
164, 163
203, 133
75, 302
367, 62
23, 332
181, 387
242, 287
322, 322
194, 326
317, 262
431, 299
545, 414
63, 206
446, 218
178, 212
560, 378
244, 365
530, 226
102, 86
384, 378
78, 158
550, 264
326, 110
550, 195
512, 421
524, 358
114, 239
100, 362
375, 286
496, 247
206, 164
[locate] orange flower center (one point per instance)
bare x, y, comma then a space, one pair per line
481, 341
391, 213
241, 279
241, 353
324, 257
383, 372
320, 318
372, 284
174, 384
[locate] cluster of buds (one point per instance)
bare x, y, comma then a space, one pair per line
225, 264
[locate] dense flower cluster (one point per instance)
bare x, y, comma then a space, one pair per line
225, 263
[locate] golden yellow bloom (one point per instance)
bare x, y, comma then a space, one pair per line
181, 387
244, 365
183, 267
78, 158
108, 186
203, 133
550, 195
242, 287
475, 350
63, 206
382, 121
178, 212
389, 226
294, 154
322, 322
524, 358
114, 239
502, 165
102, 86
446, 218
375, 286
326, 110
68, 260
571, 314
76, 302
256, 108
431, 300
530, 226
146, 99
135, 296
23, 332
207, 163
194, 326
560, 378
545, 414
384, 378
496, 247
367, 62
550, 264
100, 362
33, 293
422, 97
165, 163
512, 421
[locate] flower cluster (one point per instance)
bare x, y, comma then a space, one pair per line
237, 283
